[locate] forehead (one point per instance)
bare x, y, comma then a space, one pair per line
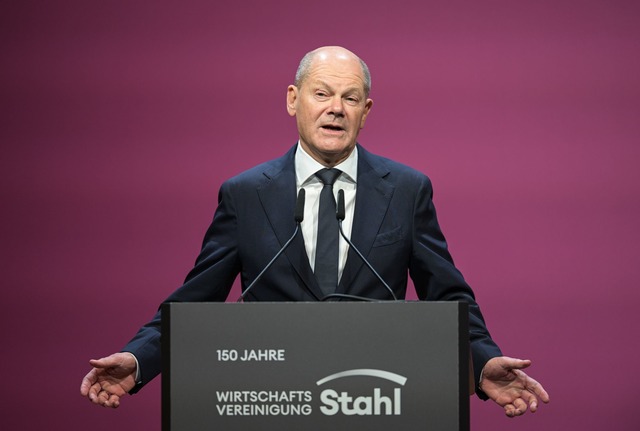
336, 72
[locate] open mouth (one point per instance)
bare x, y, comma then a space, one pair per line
331, 127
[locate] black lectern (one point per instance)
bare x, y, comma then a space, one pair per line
315, 366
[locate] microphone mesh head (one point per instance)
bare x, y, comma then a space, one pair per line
340, 211
299, 214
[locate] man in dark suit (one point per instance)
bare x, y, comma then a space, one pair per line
389, 216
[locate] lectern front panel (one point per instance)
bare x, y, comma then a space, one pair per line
315, 366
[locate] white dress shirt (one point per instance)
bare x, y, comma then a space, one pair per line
306, 167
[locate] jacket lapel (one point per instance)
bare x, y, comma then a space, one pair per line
373, 196
278, 197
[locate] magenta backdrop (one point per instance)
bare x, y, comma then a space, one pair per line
120, 120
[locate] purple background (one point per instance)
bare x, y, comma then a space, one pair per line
120, 119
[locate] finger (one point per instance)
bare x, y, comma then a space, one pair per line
94, 390
530, 399
103, 397
87, 381
508, 363
94, 397
106, 362
510, 410
520, 407
113, 401
536, 388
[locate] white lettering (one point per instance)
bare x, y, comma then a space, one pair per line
379, 400
362, 406
397, 403
263, 355
327, 397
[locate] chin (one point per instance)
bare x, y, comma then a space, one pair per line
336, 147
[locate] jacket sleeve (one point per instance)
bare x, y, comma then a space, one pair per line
437, 279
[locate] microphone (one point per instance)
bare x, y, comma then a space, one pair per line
298, 217
340, 215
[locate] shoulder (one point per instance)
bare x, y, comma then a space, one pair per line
264, 172
392, 170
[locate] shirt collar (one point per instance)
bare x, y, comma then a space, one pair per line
307, 166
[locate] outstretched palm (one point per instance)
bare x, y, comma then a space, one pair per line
504, 382
110, 379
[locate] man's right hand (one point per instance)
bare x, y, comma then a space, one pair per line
110, 379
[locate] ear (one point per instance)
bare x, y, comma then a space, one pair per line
367, 108
292, 97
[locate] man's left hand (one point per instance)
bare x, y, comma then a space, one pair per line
505, 383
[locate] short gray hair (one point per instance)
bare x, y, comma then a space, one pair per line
305, 65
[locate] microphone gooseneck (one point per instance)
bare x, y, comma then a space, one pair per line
298, 217
340, 215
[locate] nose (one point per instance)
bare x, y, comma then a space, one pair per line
336, 108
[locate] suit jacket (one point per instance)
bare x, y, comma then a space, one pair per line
394, 226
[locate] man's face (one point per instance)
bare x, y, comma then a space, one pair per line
330, 107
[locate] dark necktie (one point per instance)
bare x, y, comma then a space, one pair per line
327, 251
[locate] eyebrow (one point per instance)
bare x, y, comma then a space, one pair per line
348, 90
